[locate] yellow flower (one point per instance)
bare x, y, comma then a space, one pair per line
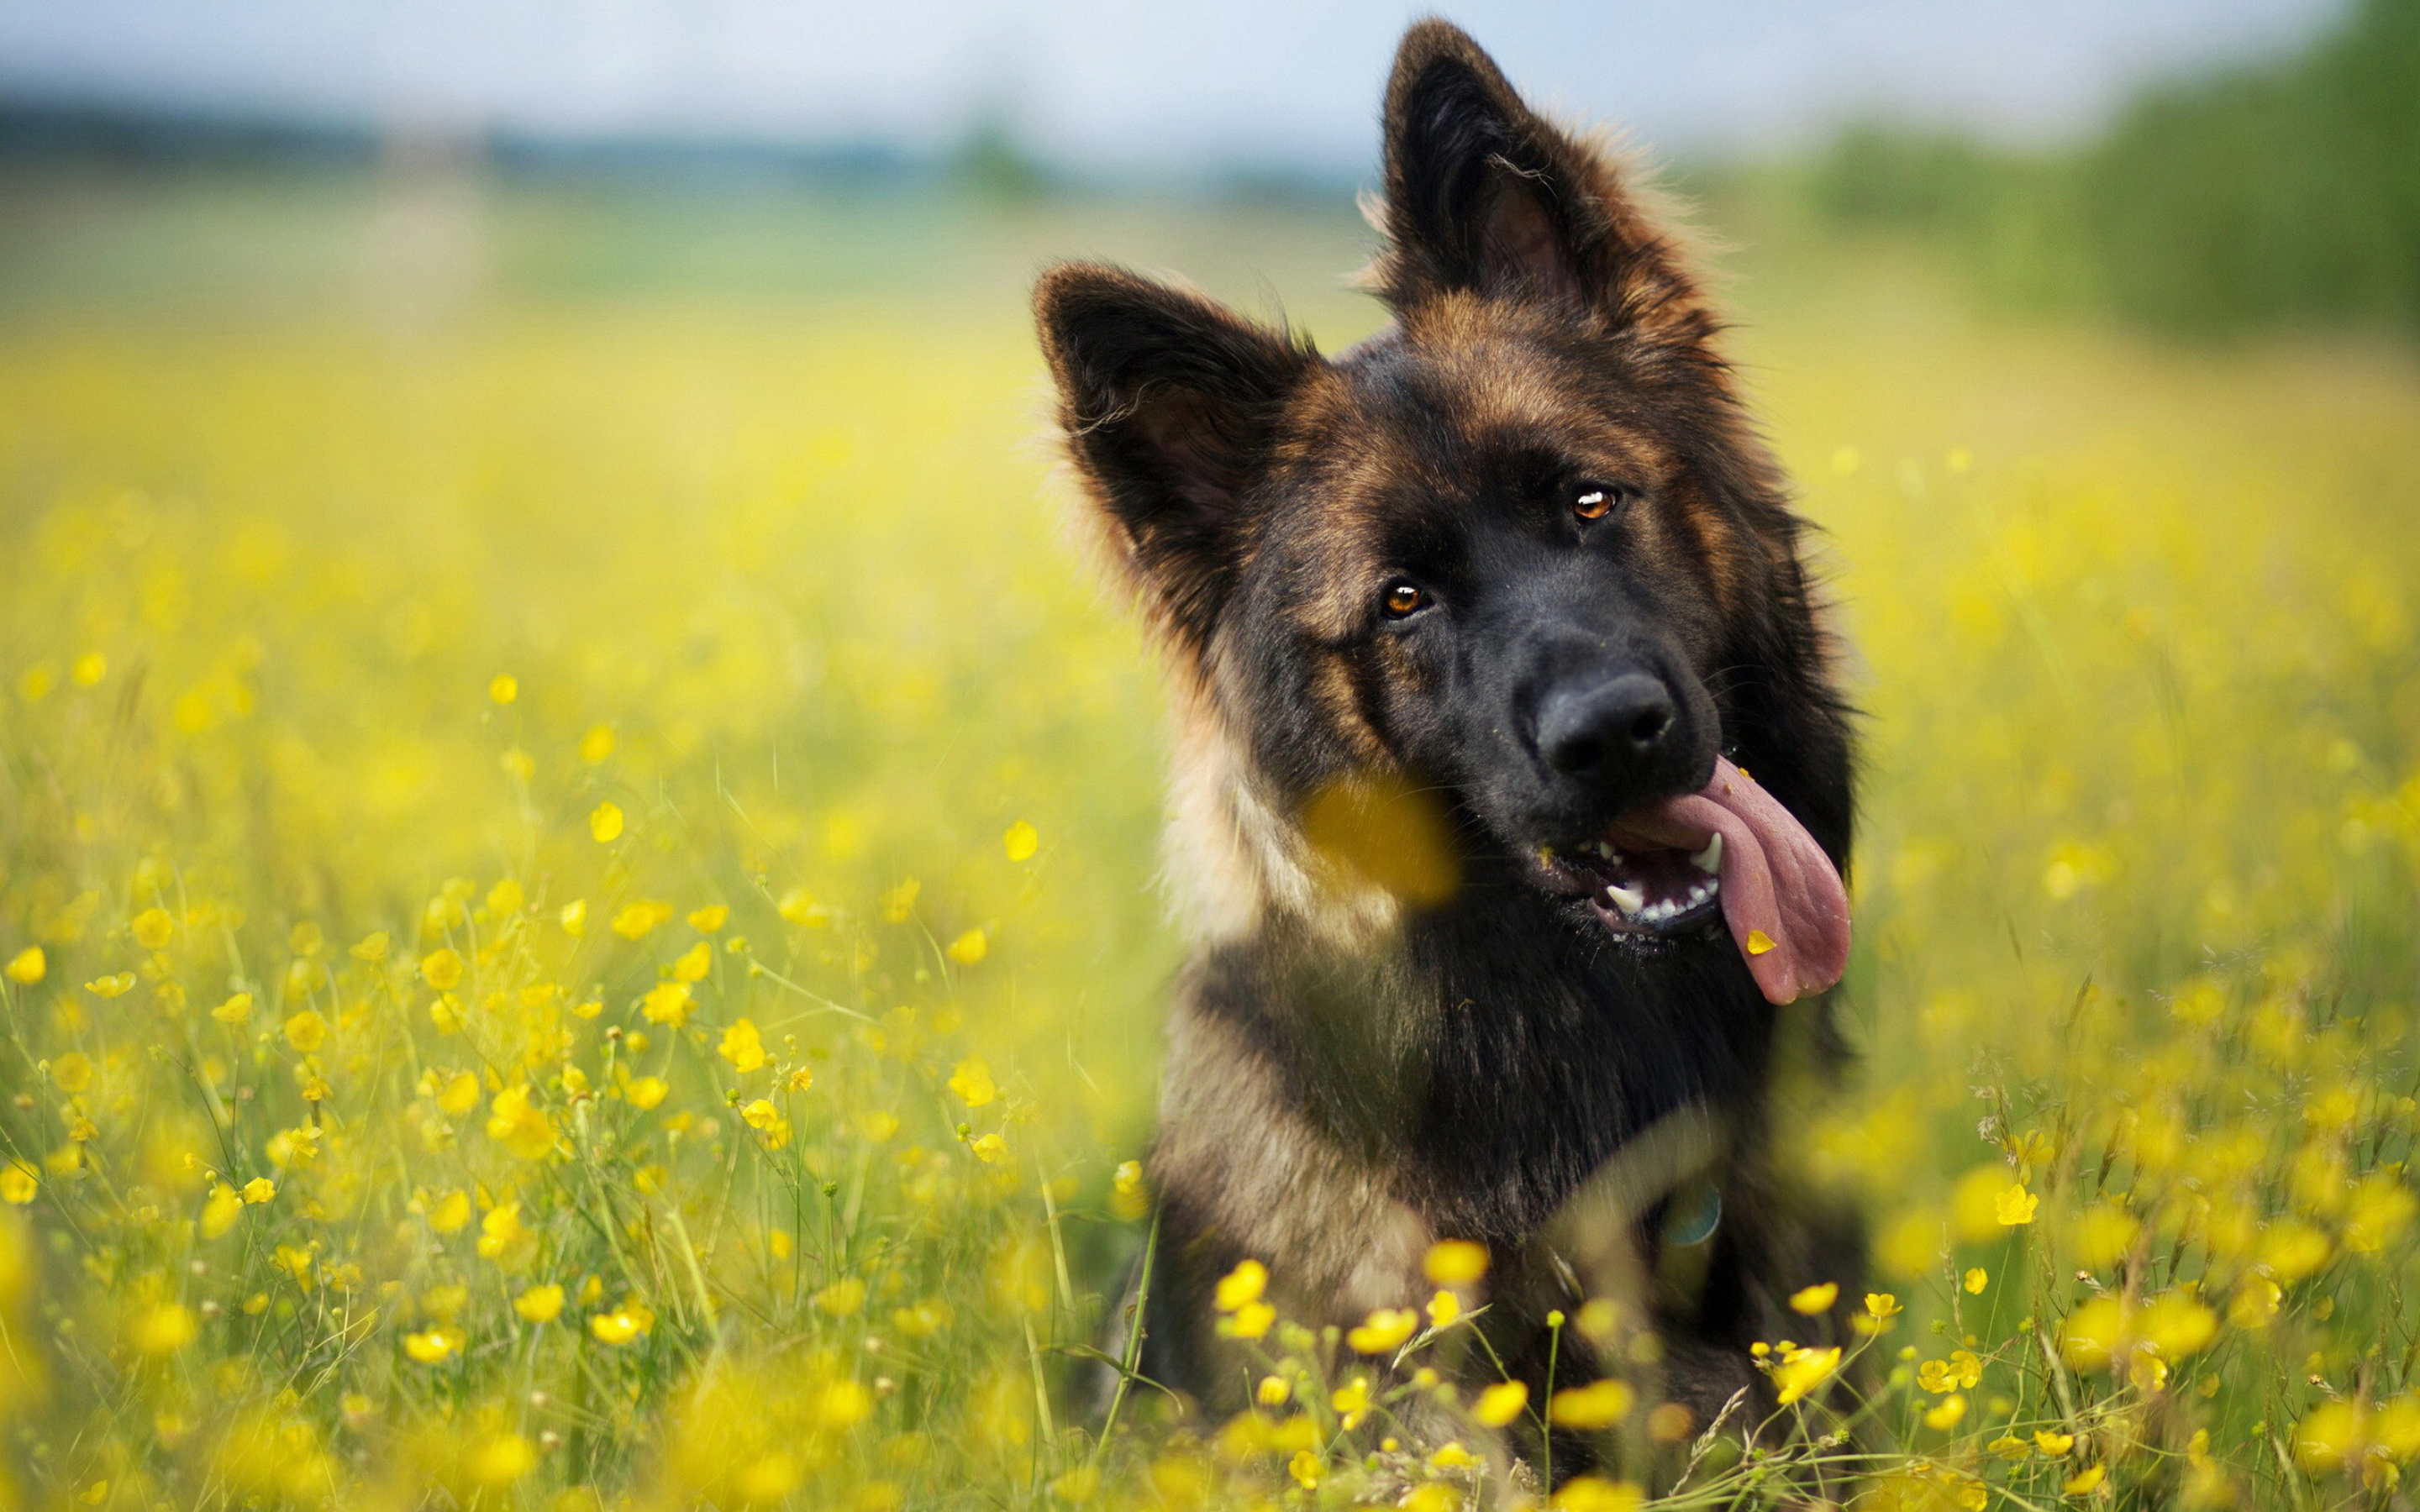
1501, 1403
220, 1210
1976, 1279
667, 1002
972, 1082
430, 1348
1273, 1391
371, 948
518, 1125
605, 822
922, 1320
841, 1299
1452, 1455
1882, 1306
767, 1120
1250, 1321
73, 1072
1351, 1402
798, 906
459, 1095
2177, 1325
164, 1329
90, 669
645, 1092
1815, 1300
234, 1010
506, 898
442, 970
969, 948
2015, 1205
1020, 841
574, 918
116, 986
1947, 1414
741, 1047
636, 920
1760, 942
2085, 1481
307, 1031
503, 1238
2379, 1210
2053, 1444
596, 744
694, 963
1443, 1310
899, 902
630, 1321
990, 1148
27, 966
1593, 1493
1802, 1370
2009, 1447
503, 688
2294, 1249
709, 918
18, 1183
1600, 1404
1303, 1467
1454, 1262
258, 1190
1384, 1331
1240, 1286
452, 1212
153, 928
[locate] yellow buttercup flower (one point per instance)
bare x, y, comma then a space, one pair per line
1600, 1404
741, 1046
2015, 1205
1454, 1262
1384, 1331
971, 1081
1500, 1403
1815, 1300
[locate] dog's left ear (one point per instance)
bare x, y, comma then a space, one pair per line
1486, 196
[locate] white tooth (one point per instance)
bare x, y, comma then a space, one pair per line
1626, 898
1710, 860
1604, 852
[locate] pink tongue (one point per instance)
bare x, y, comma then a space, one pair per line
1781, 896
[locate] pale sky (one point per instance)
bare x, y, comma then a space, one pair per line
1121, 85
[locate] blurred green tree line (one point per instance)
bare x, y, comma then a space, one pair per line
2281, 193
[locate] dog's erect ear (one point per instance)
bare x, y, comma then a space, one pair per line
1170, 405
1483, 195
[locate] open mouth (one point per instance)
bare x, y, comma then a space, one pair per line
1731, 850
1646, 890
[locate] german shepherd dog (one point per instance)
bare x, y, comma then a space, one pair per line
1513, 783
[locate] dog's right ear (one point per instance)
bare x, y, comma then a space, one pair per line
1170, 404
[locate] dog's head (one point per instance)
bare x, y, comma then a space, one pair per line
1511, 550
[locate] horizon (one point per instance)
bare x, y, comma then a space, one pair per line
1128, 96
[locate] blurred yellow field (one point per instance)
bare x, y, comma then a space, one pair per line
576, 904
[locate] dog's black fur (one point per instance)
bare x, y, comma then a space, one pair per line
1359, 1068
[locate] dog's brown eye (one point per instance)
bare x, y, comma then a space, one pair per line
1404, 598
1592, 500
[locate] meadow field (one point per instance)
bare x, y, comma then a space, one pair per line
578, 922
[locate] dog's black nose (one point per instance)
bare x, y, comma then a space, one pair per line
1608, 730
